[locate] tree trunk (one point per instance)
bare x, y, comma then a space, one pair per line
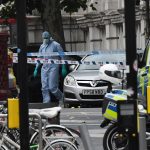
52, 20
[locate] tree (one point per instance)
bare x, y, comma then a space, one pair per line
7, 9
52, 20
71, 6
50, 13
137, 2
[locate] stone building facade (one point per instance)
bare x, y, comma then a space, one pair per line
103, 29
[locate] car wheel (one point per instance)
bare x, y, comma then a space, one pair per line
66, 105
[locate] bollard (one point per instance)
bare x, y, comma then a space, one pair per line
148, 99
85, 137
13, 113
142, 134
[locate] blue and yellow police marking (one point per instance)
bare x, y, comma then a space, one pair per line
144, 80
111, 110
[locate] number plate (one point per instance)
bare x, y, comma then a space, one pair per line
93, 92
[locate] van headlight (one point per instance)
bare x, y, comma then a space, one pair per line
70, 81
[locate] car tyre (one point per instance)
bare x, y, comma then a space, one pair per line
66, 105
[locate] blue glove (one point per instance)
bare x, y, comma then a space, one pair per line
64, 71
36, 68
35, 72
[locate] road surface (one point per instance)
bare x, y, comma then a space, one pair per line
73, 117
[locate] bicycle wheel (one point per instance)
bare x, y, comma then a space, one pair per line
61, 144
53, 132
3, 147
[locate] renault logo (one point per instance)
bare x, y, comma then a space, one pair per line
94, 83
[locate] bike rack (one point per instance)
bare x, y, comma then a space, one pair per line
36, 115
142, 134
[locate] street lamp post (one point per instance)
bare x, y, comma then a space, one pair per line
22, 72
147, 20
132, 63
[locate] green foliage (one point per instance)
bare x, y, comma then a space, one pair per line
71, 6
64, 71
137, 2
8, 10
92, 6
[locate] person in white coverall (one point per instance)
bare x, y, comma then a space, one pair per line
49, 72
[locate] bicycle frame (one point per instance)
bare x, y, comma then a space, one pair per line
5, 137
10, 141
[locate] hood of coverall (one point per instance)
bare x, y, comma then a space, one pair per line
46, 37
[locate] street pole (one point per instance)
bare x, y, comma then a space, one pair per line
132, 63
147, 20
22, 70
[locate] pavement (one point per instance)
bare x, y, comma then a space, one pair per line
91, 118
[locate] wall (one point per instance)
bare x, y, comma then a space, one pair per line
103, 29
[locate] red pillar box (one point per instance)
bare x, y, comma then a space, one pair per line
3, 66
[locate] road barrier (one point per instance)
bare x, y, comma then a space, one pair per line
114, 57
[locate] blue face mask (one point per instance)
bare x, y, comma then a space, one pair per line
46, 41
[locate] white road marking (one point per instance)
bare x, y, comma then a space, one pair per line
80, 121
96, 133
82, 113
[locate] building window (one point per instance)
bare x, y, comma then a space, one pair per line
120, 4
103, 38
119, 30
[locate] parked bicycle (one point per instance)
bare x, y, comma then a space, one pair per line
53, 136
51, 131
62, 144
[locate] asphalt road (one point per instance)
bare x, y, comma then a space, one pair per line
74, 117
